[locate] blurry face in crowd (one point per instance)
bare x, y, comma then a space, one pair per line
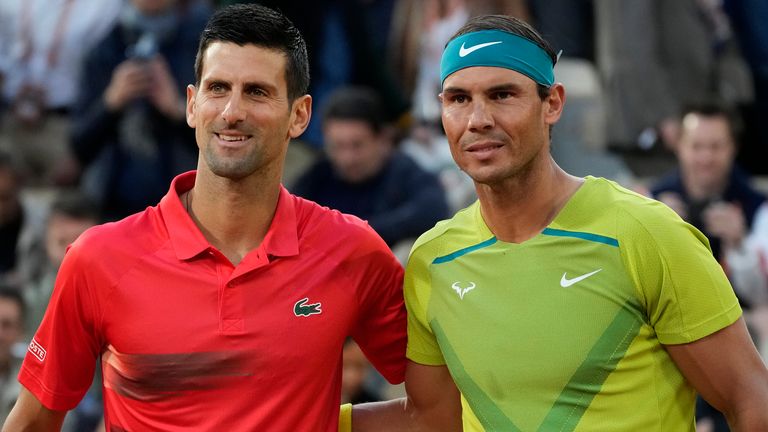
242, 117
153, 7
706, 151
355, 150
496, 123
10, 327
62, 231
9, 196
355, 370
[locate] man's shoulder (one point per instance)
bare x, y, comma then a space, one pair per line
316, 222
130, 235
450, 234
607, 208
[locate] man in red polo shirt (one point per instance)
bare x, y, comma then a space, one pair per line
226, 306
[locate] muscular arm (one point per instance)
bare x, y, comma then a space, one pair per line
29, 415
728, 372
433, 404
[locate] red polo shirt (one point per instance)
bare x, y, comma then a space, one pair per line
190, 342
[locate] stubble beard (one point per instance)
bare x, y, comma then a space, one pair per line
233, 168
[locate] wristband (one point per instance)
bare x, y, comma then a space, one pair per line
345, 418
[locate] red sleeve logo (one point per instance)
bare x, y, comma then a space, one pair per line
37, 350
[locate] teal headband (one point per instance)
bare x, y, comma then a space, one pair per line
499, 49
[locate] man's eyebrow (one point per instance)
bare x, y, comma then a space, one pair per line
454, 90
505, 87
250, 85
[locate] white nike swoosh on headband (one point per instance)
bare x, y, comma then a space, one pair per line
465, 51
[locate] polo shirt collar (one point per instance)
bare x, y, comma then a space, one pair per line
188, 242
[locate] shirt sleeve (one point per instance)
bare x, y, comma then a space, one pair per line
422, 343
59, 364
381, 327
686, 294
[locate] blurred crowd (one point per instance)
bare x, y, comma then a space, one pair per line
93, 127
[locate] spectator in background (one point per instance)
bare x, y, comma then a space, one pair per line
129, 129
42, 44
712, 194
21, 224
71, 213
365, 175
686, 54
757, 243
356, 370
11, 333
708, 191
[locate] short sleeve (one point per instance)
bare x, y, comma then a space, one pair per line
381, 327
422, 344
686, 294
59, 364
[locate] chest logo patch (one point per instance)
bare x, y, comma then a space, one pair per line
565, 282
301, 308
462, 291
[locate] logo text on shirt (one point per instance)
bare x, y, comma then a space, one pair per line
37, 350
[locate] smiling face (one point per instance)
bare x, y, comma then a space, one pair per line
241, 113
496, 123
706, 151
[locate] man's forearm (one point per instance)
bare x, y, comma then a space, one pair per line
392, 415
754, 418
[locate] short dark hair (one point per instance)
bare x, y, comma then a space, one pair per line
244, 24
11, 293
355, 103
715, 108
514, 26
76, 205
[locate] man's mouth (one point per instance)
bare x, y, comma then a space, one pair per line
232, 138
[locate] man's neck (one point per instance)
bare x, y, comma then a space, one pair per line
703, 192
523, 206
234, 216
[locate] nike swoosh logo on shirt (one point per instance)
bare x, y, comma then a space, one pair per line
465, 51
565, 282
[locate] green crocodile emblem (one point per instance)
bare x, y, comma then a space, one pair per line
301, 308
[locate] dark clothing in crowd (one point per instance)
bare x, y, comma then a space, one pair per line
132, 155
402, 201
739, 192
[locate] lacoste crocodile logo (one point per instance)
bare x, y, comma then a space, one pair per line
301, 308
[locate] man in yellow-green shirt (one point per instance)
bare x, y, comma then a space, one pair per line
557, 303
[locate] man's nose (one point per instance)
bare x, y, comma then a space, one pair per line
233, 112
480, 118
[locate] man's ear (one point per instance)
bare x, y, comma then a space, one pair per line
554, 103
301, 112
191, 94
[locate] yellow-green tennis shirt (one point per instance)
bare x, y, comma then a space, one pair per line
564, 332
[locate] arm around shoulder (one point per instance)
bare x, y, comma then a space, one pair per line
728, 372
433, 404
29, 415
